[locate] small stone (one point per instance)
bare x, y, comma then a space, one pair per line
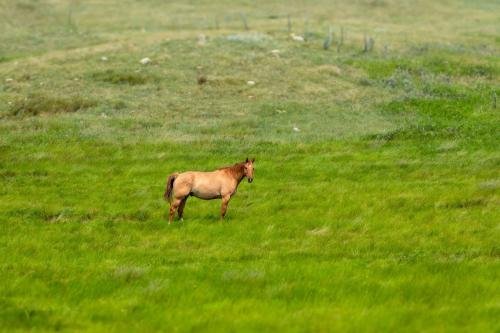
104, 58
9, 79
145, 61
251, 83
202, 39
297, 38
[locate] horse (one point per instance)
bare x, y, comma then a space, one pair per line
219, 184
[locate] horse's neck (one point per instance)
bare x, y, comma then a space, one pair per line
237, 173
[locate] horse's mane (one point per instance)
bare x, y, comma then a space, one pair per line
234, 166
236, 170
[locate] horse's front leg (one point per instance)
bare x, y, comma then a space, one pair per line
223, 208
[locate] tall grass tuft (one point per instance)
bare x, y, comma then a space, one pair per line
329, 39
341, 39
244, 20
306, 29
369, 43
289, 23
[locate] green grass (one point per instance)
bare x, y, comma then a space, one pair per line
380, 214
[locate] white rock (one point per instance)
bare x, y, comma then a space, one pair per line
104, 58
296, 129
202, 39
9, 79
145, 61
275, 52
251, 83
297, 38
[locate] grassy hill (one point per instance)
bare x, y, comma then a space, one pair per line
375, 205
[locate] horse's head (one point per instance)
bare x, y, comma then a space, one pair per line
249, 169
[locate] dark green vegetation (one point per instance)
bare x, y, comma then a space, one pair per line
380, 213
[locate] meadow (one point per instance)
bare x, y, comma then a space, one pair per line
375, 203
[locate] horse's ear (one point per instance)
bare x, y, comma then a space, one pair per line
246, 160
253, 159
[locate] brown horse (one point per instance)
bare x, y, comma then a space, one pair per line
219, 184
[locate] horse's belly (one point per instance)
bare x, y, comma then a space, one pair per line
205, 195
205, 190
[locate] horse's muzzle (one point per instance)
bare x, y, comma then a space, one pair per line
250, 180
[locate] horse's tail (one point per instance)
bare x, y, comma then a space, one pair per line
170, 186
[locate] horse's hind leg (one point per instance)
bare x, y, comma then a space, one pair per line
173, 207
180, 210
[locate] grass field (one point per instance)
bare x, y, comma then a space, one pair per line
378, 212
